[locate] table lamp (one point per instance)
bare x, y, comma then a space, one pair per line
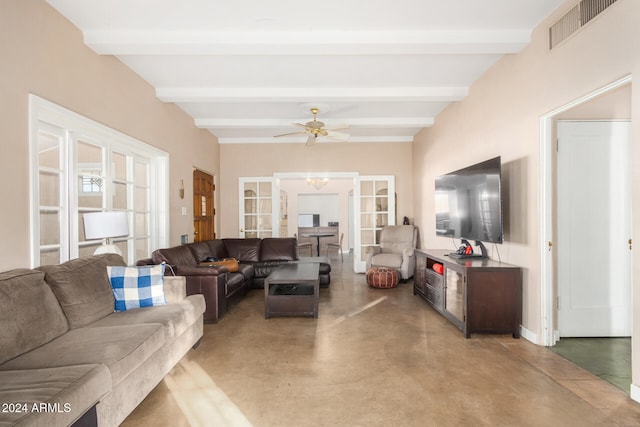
106, 225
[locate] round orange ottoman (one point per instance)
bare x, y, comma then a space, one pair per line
382, 277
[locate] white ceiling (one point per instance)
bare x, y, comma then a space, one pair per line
247, 69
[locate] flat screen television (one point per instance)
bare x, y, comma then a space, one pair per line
469, 203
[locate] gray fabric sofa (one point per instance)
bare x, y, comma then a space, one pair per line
66, 357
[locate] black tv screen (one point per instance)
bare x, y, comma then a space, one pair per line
469, 203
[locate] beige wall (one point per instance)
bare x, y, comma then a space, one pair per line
501, 116
255, 160
43, 53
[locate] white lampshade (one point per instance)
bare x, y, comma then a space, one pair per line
106, 225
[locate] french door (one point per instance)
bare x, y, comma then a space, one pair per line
259, 207
79, 166
374, 209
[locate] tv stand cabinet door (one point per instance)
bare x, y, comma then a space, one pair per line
494, 301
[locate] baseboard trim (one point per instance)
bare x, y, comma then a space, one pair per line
635, 392
528, 335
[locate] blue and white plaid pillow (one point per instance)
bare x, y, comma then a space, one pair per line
135, 287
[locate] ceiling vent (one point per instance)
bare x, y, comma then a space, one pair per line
575, 19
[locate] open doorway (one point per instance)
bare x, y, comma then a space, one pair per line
571, 223
324, 208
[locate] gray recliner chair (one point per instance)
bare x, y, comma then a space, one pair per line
396, 250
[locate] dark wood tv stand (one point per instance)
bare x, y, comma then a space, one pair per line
476, 295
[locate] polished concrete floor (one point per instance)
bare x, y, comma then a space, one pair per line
374, 357
608, 358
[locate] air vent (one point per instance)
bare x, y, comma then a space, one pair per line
575, 19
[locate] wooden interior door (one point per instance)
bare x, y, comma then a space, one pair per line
203, 210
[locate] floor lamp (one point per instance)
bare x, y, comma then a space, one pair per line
106, 225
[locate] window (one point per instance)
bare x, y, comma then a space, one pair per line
80, 166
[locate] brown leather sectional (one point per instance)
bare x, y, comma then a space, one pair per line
257, 258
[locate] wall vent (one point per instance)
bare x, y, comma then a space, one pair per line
575, 19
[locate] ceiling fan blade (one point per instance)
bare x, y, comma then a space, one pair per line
300, 124
339, 127
341, 136
290, 133
311, 140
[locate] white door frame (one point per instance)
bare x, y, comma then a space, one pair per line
356, 177
331, 175
548, 334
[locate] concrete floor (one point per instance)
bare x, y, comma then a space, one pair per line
374, 357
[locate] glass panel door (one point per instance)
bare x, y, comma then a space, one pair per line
79, 166
259, 207
142, 210
91, 192
51, 247
375, 209
454, 298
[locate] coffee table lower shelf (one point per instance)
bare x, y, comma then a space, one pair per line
292, 290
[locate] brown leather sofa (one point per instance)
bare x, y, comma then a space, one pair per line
222, 289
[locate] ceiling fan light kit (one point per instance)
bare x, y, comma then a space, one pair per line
315, 128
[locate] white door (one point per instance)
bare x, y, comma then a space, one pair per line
374, 208
259, 208
594, 228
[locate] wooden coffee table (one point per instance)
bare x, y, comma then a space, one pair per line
292, 290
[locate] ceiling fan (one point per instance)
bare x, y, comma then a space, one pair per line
316, 128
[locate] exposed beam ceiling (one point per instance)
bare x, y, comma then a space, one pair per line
247, 69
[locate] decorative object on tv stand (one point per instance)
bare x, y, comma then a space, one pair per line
106, 225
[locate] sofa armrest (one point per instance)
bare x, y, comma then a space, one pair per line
408, 263
407, 252
370, 251
175, 288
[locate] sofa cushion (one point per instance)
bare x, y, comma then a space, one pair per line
234, 283
217, 249
68, 392
200, 251
397, 238
30, 314
177, 255
244, 250
82, 287
279, 249
121, 348
246, 270
391, 260
175, 318
264, 268
135, 287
